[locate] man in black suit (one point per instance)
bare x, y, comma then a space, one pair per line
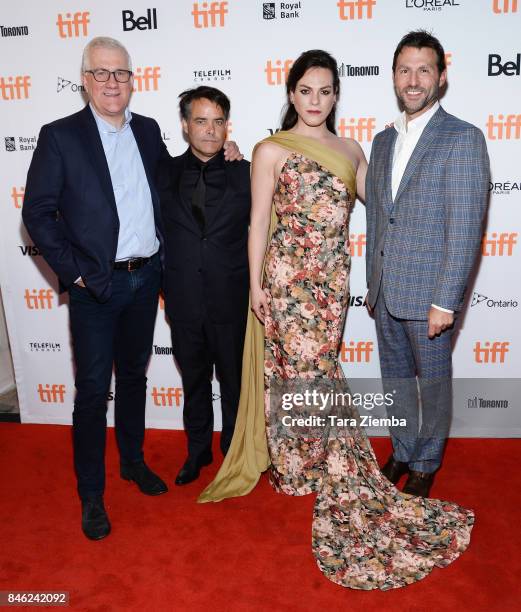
92, 208
205, 204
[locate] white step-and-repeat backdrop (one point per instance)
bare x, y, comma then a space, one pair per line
245, 47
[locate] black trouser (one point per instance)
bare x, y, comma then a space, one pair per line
198, 346
120, 332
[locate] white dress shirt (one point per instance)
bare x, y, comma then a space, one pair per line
409, 133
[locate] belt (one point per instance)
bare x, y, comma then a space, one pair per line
131, 264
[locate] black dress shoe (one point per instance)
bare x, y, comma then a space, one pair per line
393, 470
419, 483
94, 520
192, 468
148, 482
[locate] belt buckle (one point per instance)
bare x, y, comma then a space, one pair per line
130, 263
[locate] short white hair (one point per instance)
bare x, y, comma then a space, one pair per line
103, 42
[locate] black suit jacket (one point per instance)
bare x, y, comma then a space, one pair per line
69, 207
206, 274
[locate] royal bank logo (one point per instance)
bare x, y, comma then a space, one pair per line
66, 84
485, 300
10, 143
20, 143
348, 70
505, 188
8, 32
45, 347
431, 5
282, 10
212, 74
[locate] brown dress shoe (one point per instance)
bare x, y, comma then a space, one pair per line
419, 483
393, 470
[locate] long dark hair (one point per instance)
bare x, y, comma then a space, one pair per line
310, 59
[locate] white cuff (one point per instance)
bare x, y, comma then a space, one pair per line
442, 309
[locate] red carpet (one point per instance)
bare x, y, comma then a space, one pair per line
252, 553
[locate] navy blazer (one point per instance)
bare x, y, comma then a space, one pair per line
206, 274
69, 206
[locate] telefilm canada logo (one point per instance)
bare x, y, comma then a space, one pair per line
67, 84
485, 300
281, 10
207, 75
9, 31
20, 143
431, 5
45, 347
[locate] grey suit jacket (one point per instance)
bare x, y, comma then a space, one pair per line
421, 246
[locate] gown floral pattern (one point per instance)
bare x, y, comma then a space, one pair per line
366, 534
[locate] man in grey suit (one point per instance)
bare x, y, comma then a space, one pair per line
426, 196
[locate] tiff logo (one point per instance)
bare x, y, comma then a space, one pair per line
511, 126
147, 79
357, 243
141, 23
360, 129
39, 299
491, 354
356, 9
212, 17
18, 196
15, 88
168, 396
69, 26
356, 352
277, 72
51, 394
504, 6
492, 246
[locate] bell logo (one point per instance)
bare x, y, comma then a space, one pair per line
494, 246
356, 352
494, 352
360, 129
277, 71
69, 26
51, 394
511, 126
212, 17
357, 9
504, 6
167, 396
15, 88
147, 79
18, 196
39, 299
496, 67
357, 243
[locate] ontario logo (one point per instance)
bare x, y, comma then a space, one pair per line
479, 298
67, 84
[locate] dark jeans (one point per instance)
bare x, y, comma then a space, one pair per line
120, 332
198, 346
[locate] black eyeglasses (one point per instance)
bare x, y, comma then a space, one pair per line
102, 76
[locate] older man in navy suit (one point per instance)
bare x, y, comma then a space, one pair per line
92, 208
426, 191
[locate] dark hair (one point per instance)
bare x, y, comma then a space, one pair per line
209, 93
420, 39
310, 59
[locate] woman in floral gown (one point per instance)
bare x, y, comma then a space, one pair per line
366, 534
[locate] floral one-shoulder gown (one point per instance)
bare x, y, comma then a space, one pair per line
366, 534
